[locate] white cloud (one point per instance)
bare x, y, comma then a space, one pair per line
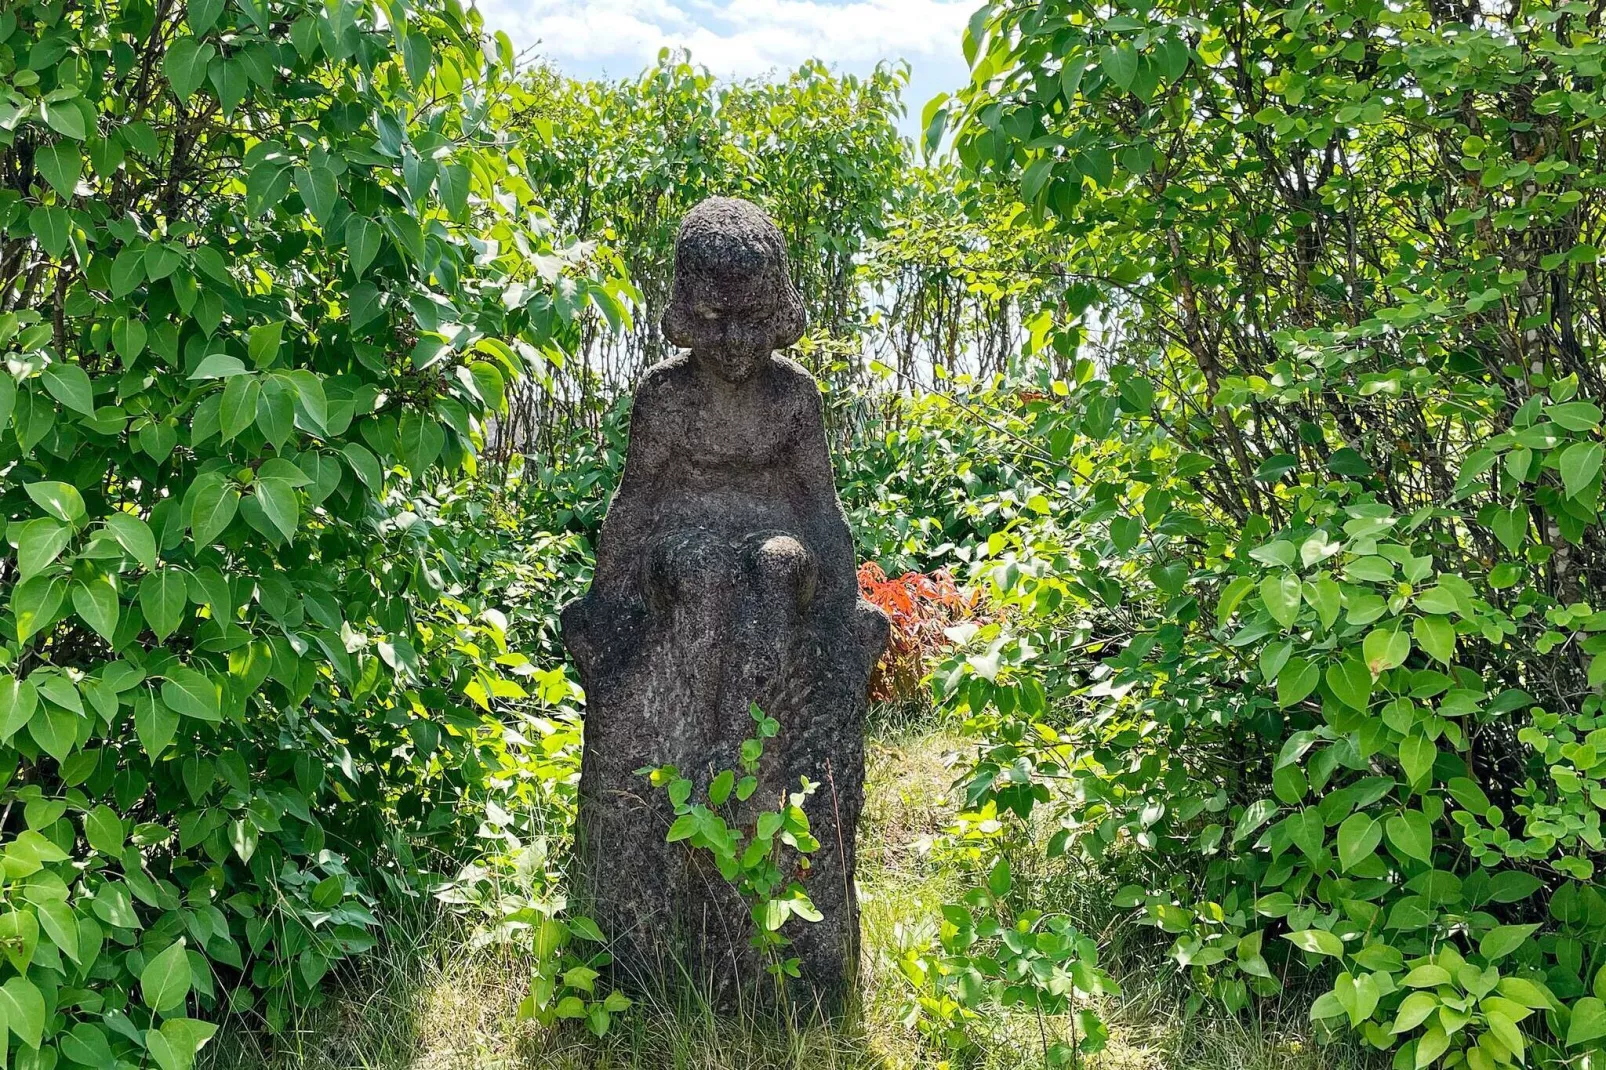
733, 37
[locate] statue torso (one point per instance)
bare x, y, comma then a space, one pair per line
733, 453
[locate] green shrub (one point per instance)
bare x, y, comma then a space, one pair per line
266, 271
1307, 640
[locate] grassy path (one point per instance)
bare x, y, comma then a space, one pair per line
430, 1004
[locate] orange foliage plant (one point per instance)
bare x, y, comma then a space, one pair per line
921, 605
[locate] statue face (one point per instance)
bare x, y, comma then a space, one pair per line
729, 325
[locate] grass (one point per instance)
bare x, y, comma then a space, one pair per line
425, 1002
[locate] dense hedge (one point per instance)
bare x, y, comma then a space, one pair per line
1309, 636
267, 267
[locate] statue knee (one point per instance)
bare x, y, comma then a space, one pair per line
874, 629
781, 566
688, 568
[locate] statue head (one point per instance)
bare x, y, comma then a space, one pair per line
733, 302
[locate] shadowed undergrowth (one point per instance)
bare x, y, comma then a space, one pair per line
427, 1002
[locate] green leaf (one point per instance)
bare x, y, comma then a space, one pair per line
59, 689
279, 504
202, 14
185, 65
157, 440
23, 1009
165, 981
19, 938
1119, 63
1588, 1022
1417, 755
1426, 977
265, 186
1319, 941
1319, 547
364, 304
1125, 532
1510, 526
1231, 595
1281, 594
161, 598
1412, 833
230, 81
218, 366
1580, 464
129, 337
154, 723
56, 918
162, 260
720, 789
362, 242
95, 599
86, 1045
1414, 1011
1436, 636
18, 699
418, 57
1531, 994
128, 271
803, 906
1430, 1045
64, 117
215, 500
34, 603
364, 465
52, 226
1351, 682
1502, 940
134, 536
420, 438
243, 838
61, 164
1385, 649
1505, 1030
1296, 681
191, 693
39, 543
586, 929
60, 500
70, 385
239, 408
265, 339
1575, 415
319, 191
1255, 814
311, 403
1358, 838
772, 914
104, 830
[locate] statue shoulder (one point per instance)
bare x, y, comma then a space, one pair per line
801, 408
793, 382
665, 376
662, 387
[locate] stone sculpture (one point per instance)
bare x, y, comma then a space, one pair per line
724, 576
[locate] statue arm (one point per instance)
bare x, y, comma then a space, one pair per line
627, 526
838, 567
833, 539
611, 612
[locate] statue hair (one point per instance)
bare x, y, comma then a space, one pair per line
726, 238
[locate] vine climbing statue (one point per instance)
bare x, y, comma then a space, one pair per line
724, 579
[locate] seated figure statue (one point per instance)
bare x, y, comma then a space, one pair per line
724, 577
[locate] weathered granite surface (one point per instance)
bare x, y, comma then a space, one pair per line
725, 576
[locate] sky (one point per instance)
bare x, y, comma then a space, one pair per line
744, 38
